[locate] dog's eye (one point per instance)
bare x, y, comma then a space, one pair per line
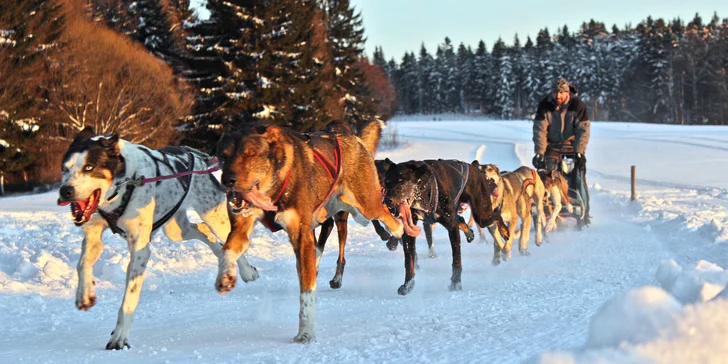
88, 168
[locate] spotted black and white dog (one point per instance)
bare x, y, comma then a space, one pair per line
96, 172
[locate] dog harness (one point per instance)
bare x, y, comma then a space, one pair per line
113, 216
333, 169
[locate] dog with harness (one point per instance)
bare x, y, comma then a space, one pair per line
555, 198
134, 191
515, 193
299, 181
432, 191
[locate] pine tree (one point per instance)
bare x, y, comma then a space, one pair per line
427, 82
346, 39
502, 80
483, 69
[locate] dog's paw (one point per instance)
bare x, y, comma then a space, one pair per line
524, 252
432, 253
406, 288
117, 342
249, 274
225, 283
495, 262
551, 226
506, 255
335, 283
86, 303
456, 286
570, 208
305, 338
470, 236
392, 244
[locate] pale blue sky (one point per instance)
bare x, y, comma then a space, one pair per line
402, 25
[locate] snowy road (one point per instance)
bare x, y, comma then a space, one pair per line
508, 313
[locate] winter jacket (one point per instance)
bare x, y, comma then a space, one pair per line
552, 126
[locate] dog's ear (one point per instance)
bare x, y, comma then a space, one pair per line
271, 132
84, 135
475, 163
111, 144
421, 169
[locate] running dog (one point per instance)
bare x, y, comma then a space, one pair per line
99, 181
341, 222
557, 194
299, 181
515, 195
432, 191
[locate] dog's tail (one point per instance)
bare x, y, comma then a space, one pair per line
370, 135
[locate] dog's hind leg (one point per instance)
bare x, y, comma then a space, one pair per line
139, 256
370, 206
90, 252
342, 230
430, 243
326, 228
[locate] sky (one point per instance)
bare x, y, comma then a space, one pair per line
403, 25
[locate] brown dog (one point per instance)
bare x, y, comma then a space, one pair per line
516, 194
299, 180
556, 194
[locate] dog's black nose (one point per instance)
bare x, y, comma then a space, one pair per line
229, 179
66, 191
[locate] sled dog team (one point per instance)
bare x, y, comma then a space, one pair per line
293, 182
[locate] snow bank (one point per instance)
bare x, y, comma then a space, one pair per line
683, 321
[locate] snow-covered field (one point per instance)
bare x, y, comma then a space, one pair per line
641, 285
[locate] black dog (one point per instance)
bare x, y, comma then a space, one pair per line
341, 221
432, 191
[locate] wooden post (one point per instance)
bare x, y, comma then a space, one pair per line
634, 183
2, 184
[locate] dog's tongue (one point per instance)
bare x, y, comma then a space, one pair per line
258, 199
409, 227
63, 203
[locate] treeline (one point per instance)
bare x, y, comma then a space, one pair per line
656, 72
155, 73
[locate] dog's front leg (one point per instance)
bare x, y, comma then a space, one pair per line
410, 259
457, 263
236, 245
304, 245
90, 252
556, 201
138, 242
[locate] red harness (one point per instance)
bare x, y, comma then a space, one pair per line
332, 169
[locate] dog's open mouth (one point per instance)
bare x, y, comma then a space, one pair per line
82, 210
243, 202
237, 202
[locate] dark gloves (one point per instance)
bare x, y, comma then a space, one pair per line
580, 161
538, 162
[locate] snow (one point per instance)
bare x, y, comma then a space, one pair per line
645, 283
